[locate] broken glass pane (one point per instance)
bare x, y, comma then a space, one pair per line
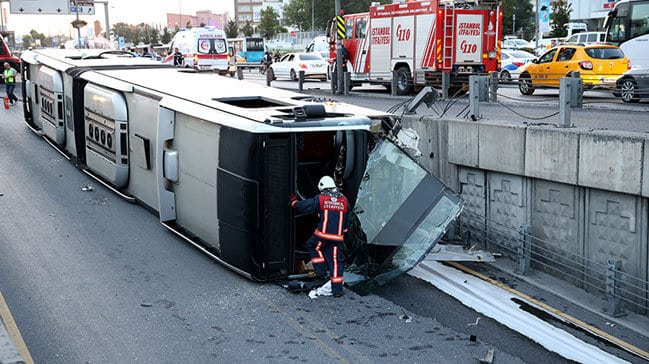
401, 213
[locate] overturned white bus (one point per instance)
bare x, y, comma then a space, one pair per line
216, 159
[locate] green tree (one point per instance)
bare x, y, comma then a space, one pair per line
166, 36
247, 29
559, 17
232, 29
29, 40
128, 31
297, 13
524, 17
269, 23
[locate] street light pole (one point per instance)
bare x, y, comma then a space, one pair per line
339, 55
2, 17
536, 26
514, 24
76, 8
312, 16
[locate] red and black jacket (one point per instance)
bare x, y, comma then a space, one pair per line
332, 208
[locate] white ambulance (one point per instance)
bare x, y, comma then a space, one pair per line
203, 49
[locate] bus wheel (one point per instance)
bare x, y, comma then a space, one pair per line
404, 81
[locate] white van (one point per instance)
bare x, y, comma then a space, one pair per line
574, 28
202, 48
587, 38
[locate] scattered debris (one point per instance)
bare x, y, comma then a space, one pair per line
489, 359
473, 338
477, 320
146, 304
325, 290
87, 188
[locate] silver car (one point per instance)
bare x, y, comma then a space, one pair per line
633, 85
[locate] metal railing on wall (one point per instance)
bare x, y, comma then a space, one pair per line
621, 290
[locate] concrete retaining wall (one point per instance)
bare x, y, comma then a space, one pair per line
582, 191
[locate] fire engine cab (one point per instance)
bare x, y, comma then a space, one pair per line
421, 40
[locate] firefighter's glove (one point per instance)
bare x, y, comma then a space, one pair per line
292, 199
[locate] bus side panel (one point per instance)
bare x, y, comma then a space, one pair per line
34, 92
142, 136
238, 198
51, 104
106, 134
196, 143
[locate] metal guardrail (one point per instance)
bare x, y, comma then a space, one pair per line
620, 289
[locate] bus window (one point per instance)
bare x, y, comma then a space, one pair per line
640, 20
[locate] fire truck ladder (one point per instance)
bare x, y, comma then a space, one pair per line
448, 37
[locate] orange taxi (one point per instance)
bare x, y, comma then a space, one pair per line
598, 65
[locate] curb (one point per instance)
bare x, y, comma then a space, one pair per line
8, 352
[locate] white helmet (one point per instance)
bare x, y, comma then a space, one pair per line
326, 182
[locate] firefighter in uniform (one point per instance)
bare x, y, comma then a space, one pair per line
326, 244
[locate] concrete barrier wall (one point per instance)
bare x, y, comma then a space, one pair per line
582, 191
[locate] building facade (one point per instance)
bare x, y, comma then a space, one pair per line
249, 10
202, 17
591, 12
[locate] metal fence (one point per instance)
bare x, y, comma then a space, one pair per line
297, 40
621, 290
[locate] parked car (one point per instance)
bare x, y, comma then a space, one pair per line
511, 62
633, 85
518, 44
599, 66
313, 65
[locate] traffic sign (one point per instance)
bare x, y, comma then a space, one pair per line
340, 21
39, 7
86, 7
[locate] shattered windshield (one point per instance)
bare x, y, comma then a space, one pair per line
401, 213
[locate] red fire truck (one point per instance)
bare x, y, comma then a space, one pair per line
421, 40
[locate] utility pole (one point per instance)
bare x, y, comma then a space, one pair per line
106, 13
312, 16
536, 26
2, 16
514, 24
339, 56
76, 8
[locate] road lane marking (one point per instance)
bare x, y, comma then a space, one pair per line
14, 333
558, 314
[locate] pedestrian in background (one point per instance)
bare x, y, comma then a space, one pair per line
178, 58
9, 77
326, 244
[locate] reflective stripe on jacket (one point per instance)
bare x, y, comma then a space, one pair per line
9, 75
333, 210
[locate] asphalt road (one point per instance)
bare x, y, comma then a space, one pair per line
540, 108
91, 278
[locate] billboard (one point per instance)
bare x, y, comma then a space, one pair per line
39, 6
65, 7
